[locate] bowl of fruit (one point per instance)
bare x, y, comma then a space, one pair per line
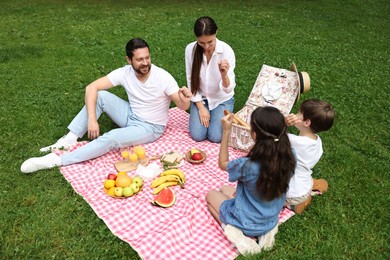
195, 155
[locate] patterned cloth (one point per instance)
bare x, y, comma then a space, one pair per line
183, 231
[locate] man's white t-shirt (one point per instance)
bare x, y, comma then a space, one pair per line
308, 152
148, 100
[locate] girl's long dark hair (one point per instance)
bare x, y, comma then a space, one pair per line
272, 149
203, 26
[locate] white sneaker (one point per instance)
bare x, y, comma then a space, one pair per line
244, 244
60, 144
39, 163
267, 241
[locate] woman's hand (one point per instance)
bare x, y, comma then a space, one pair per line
204, 115
223, 68
93, 129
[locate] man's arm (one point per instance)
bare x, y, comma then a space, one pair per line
182, 98
91, 92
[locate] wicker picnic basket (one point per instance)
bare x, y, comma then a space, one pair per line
273, 87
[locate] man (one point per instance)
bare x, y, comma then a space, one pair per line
141, 119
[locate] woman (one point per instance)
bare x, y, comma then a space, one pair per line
210, 67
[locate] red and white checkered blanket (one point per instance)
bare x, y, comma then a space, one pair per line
184, 231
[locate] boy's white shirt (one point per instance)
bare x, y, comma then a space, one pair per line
308, 152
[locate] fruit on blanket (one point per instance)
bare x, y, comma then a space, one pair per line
127, 191
133, 157
193, 151
109, 184
111, 191
140, 152
166, 198
121, 173
167, 178
118, 191
111, 176
123, 181
177, 172
138, 180
135, 187
196, 156
158, 189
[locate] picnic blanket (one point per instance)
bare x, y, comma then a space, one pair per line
184, 231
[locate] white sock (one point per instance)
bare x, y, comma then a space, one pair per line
71, 138
40, 163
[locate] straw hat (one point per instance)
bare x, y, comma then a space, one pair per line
303, 82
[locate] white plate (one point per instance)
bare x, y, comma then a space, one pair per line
271, 91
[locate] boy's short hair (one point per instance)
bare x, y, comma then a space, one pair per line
319, 112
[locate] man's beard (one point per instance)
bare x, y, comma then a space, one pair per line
139, 69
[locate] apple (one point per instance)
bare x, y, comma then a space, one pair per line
196, 156
128, 191
138, 180
135, 187
111, 176
118, 191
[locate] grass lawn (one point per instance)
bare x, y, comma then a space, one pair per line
50, 50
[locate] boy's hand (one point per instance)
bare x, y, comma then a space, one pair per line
291, 120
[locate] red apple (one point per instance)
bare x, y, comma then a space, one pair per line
111, 176
196, 156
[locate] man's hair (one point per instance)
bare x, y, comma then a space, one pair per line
319, 112
133, 44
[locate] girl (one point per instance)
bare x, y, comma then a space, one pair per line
252, 209
210, 75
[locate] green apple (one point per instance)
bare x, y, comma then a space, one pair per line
135, 187
118, 191
138, 180
128, 191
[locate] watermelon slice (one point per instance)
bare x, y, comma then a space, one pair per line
165, 198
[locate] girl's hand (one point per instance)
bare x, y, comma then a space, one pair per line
291, 120
227, 122
223, 67
204, 116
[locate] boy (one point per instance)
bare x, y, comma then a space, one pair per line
314, 116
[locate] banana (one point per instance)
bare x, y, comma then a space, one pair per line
177, 172
167, 178
164, 185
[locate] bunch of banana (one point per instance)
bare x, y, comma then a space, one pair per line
168, 178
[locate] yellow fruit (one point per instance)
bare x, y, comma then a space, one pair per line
165, 185
109, 183
138, 147
177, 172
133, 157
123, 181
111, 191
160, 180
121, 173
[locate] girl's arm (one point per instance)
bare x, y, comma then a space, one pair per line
227, 122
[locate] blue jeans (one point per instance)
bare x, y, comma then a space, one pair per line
214, 131
132, 130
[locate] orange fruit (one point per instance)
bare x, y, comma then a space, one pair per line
121, 173
109, 183
133, 157
123, 181
111, 191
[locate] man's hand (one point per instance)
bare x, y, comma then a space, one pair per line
93, 129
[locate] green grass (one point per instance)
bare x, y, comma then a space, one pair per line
50, 50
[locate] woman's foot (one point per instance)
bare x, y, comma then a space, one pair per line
39, 163
301, 207
320, 185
